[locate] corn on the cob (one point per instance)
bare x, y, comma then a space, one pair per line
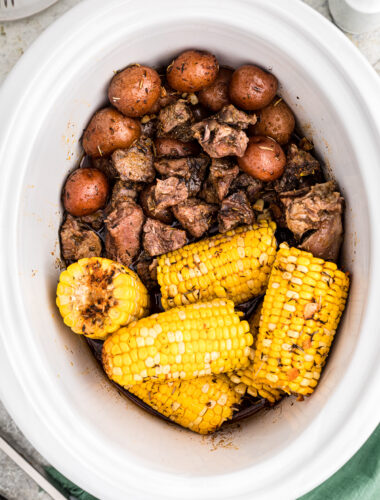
184, 342
245, 378
96, 296
201, 404
302, 307
234, 265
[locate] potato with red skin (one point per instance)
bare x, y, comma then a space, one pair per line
109, 130
85, 191
215, 96
135, 90
263, 159
192, 71
166, 146
252, 88
275, 120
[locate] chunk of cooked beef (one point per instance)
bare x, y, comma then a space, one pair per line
123, 230
195, 216
168, 96
95, 220
222, 172
158, 238
320, 209
235, 210
219, 140
148, 203
170, 192
175, 121
104, 163
192, 170
252, 187
146, 268
234, 117
77, 241
124, 190
135, 163
149, 127
301, 170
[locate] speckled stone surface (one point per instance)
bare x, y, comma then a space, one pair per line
15, 37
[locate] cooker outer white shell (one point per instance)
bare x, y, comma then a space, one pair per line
50, 383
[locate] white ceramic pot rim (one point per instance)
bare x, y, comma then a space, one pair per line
58, 442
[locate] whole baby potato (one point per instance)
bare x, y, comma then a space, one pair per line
109, 130
192, 71
215, 96
85, 191
263, 159
135, 90
166, 146
252, 88
275, 120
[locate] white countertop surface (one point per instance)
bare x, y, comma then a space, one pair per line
15, 38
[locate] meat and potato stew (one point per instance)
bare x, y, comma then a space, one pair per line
201, 241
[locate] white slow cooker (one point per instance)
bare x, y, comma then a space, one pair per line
49, 381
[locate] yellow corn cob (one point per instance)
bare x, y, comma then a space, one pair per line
245, 378
234, 265
185, 342
96, 296
302, 307
201, 404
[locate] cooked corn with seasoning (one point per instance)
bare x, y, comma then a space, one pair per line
182, 343
95, 296
234, 265
302, 307
201, 404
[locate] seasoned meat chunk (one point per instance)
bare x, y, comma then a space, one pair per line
219, 140
146, 268
320, 209
301, 169
235, 210
170, 192
195, 216
124, 190
158, 238
78, 242
123, 230
148, 203
168, 96
104, 163
175, 121
135, 163
148, 128
173, 148
252, 187
234, 117
192, 170
95, 220
222, 172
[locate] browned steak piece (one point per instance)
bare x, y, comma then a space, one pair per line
158, 238
252, 187
148, 203
222, 172
234, 117
192, 170
77, 241
149, 128
175, 121
135, 163
104, 163
123, 230
235, 211
124, 190
170, 192
219, 139
195, 216
146, 268
95, 220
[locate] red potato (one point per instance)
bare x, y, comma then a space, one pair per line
135, 90
109, 130
252, 88
275, 120
192, 71
215, 96
85, 191
166, 146
263, 159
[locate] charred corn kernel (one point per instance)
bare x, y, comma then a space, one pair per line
183, 340
235, 265
201, 404
245, 378
96, 296
297, 329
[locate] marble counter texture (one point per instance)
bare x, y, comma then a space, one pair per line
15, 37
